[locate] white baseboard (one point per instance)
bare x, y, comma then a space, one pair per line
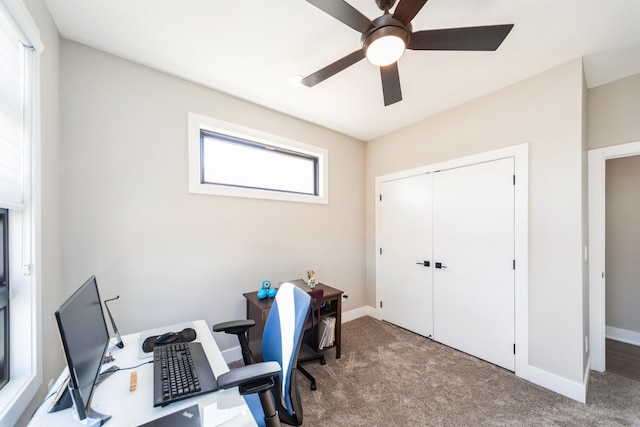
623, 335
356, 313
563, 386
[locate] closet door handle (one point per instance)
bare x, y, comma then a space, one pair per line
425, 263
439, 265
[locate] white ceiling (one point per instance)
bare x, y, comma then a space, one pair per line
250, 49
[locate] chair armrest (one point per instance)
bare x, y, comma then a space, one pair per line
238, 328
234, 326
252, 378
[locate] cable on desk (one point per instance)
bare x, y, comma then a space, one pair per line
134, 367
113, 369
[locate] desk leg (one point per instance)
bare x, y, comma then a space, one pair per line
339, 326
254, 335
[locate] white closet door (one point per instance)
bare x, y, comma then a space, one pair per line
473, 239
405, 283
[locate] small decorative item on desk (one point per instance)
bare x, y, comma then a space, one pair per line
311, 276
266, 290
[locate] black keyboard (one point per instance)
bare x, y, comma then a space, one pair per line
180, 371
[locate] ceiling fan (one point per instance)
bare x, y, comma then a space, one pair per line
385, 39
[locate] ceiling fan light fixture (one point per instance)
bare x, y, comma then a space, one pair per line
385, 45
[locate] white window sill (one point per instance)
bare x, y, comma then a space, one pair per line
15, 397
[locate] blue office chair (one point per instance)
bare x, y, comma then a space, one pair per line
281, 341
312, 322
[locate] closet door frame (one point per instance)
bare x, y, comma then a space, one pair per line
520, 154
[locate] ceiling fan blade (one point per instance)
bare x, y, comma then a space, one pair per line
334, 68
470, 38
390, 84
406, 10
344, 13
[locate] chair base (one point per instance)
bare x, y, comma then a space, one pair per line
318, 357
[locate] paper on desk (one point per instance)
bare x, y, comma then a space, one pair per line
229, 410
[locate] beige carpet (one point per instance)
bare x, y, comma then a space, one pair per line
388, 376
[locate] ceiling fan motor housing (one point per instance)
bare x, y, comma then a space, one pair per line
383, 26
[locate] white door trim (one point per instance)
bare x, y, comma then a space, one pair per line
597, 276
520, 153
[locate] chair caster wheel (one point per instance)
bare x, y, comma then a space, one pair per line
313, 387
323, 362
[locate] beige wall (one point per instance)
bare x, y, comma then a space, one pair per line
623, 243
546, 112
614, 110
173, 256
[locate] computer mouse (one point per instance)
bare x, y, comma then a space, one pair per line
166, 338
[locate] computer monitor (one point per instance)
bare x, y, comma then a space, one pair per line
85, 339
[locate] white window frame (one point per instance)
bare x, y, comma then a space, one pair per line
24, 244
198, 123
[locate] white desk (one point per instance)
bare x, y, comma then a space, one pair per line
131, 408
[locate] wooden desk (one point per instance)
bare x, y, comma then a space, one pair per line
258, 310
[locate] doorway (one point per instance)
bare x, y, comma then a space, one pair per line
597, 243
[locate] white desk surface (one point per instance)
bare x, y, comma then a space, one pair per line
224, 408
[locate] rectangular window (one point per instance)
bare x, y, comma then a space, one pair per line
241, 163
230, 160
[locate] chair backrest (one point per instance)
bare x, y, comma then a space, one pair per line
281, 341
316, 302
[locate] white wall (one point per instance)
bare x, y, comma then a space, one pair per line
172, 256
545, 111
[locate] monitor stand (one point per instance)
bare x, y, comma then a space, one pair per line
87, 417
95, 418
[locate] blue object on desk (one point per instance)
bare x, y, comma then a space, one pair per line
266, 291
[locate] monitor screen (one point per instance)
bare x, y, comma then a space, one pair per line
85, 338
